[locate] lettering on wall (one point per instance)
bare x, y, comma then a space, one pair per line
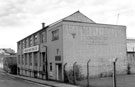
94, 36
31, 49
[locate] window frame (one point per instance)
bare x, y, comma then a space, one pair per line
55, 35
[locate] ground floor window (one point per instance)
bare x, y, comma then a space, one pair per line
30, 58
35, 58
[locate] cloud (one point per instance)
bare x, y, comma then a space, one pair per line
13, 12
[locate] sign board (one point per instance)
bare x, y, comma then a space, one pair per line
57, 58
50, 73
31, 49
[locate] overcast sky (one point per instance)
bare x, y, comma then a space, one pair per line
20, 18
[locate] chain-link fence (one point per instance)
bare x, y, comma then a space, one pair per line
78, 73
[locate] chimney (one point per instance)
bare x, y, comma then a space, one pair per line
43, 25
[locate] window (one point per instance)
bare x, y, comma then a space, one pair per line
23, 44
55, 35
30, 58
40, 59
35, 58
43, 36
18, 46
25, 59
27, 43
30, 41
18, 59
50, 66
35, 39
22, 59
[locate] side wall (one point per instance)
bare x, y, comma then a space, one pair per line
100, 43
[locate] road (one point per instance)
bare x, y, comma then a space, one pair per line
9, 81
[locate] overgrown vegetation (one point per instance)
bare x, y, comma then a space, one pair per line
78, 74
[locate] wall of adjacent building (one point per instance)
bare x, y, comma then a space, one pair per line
131, 55
98, 42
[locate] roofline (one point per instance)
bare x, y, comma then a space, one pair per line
46, 27
94, 23
34, 33
131, 38
61, 20
80, 13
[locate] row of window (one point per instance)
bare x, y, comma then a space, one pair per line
23, 59
32, 41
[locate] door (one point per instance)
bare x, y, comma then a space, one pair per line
58, 71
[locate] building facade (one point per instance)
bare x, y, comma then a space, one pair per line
75, 38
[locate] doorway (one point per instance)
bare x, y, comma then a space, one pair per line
58, 71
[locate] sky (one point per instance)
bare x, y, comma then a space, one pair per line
20, 18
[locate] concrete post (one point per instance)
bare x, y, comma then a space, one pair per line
114, 73
88, 73
64, 68
74, 77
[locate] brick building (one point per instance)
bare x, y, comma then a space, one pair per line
75, 38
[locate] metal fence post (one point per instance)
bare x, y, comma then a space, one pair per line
74, 77
88, 73
114, 73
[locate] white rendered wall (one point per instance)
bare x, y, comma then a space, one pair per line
100, 43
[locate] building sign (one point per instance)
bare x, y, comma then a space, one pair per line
50, 73
31, 49
57, 58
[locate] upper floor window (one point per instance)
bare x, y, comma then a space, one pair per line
19, 46
31, 41
43, 36
25, 59
35, 39
23, 44
27, 43
22, 59
55, 35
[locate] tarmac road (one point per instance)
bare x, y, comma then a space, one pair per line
9, 81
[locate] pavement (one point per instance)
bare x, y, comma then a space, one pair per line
44, 82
